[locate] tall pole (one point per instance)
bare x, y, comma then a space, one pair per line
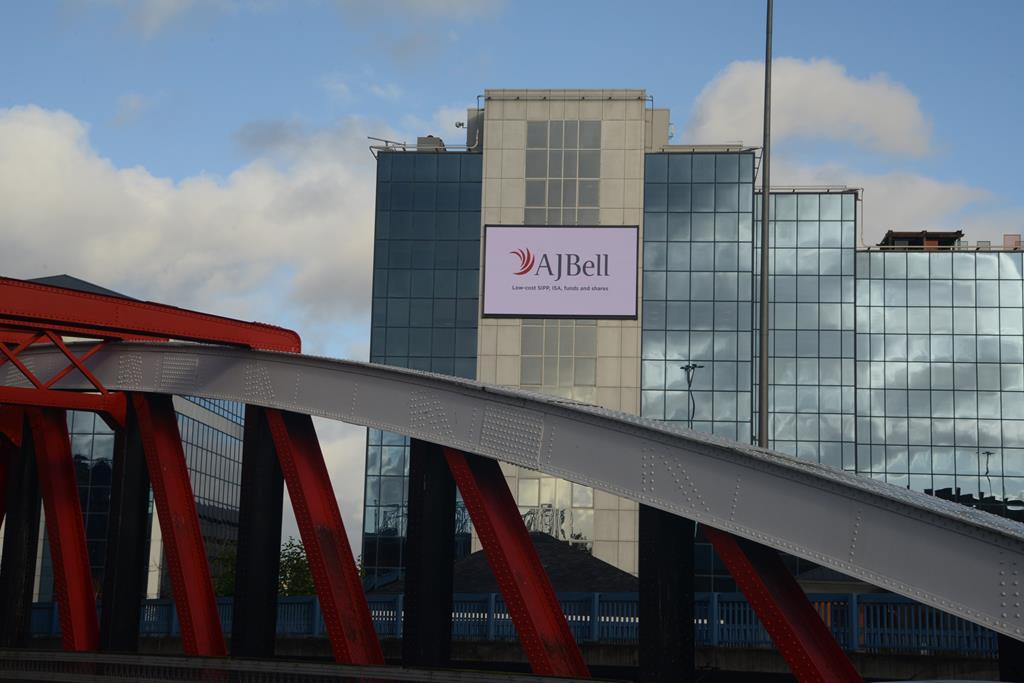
762, 384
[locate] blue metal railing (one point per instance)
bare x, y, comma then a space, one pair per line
880, 623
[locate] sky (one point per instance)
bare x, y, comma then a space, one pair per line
214, 154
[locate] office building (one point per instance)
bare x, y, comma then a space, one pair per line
901, 361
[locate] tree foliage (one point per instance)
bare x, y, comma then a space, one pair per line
294, 577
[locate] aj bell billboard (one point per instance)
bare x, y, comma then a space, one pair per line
559, 272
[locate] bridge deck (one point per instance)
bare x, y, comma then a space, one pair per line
960, 560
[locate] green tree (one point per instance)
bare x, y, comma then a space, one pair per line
294, 577
222, 567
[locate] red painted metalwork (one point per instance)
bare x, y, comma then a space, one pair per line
12, 420
112, 405
535, 610
33, 314
796, 628
183, 541
345, 612
31, 306
72, 576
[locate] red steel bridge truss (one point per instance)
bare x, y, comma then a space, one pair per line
281, 449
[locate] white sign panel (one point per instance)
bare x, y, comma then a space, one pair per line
560, 272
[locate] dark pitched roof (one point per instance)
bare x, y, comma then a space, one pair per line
569, 569
70, 282
921, 238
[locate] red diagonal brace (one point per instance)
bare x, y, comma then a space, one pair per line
797, 630
37, 305
112, 405
183, 541
346, 614
535, 610
72, 576
12, 419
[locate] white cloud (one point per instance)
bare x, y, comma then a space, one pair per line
902, 200
288, 234
337, 87
811, 99
818, 100
149, 17
129, 108
443, 9
386, 91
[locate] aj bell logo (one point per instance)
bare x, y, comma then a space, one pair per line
557, 265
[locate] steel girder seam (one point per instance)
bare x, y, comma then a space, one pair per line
342, 601
543, 631
796, 628
194, 597
72, 575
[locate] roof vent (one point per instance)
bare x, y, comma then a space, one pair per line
429, 144
1011, 241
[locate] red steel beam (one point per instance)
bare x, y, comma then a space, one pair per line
194, 597
796, 628
16, 331
342, 602
12, 420
113, 405
535, 610
47, 306
72, 576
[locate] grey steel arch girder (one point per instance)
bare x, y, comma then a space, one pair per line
960, 560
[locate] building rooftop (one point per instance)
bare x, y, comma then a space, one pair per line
66, 281
570, 570
922, 238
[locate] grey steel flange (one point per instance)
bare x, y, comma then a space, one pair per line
963, 561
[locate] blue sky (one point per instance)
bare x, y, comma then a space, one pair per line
208, 68
212, 153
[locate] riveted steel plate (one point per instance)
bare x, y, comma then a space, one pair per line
961, 560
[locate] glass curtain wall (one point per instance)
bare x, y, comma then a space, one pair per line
940, 370
697, 279
424, 315
697, 311
811, 341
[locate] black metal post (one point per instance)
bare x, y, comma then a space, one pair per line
667, 638
766, 189
430, 551
124, 576
1011, 659
21, 544
254, 622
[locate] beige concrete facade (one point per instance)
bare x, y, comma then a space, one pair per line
584, 180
